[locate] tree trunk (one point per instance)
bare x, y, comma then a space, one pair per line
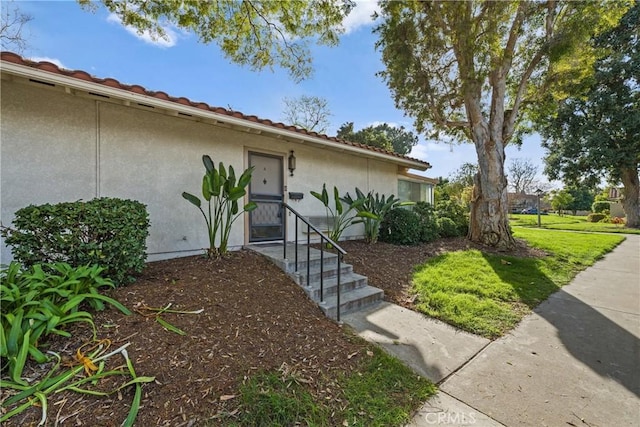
489, 222
631, 192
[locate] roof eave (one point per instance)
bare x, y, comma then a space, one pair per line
171, 106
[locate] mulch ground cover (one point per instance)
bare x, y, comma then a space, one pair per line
254, 319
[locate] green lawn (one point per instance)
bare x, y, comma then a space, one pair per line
568, 222
489, 294
381, 392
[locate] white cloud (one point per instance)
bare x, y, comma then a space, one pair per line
169, 39
420, 151
47, 59
360, 15
439, 146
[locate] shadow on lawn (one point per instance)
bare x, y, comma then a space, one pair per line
593, 339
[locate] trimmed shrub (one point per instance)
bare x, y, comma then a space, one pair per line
456, 213
447, 228
108, 232
596, 217
400, 227
601, 207
427, 219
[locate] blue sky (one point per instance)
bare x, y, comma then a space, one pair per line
64, 33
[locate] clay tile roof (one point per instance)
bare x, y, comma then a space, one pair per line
113, 83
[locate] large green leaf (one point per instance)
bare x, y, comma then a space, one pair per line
191, 198
18, 361
3, 343
369, 215
325, 195
251, 206
216, 183
317, 195
208, 163
206, 187
236, 193
15, 333
245, 178
336, 198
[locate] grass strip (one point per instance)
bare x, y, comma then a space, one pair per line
489, 294
381, 391
569, 222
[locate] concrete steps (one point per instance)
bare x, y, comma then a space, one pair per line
355, 293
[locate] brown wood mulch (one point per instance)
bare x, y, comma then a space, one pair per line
254, 319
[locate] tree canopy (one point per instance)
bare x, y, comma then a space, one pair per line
596, 134
385, 136
254, 33
468, 69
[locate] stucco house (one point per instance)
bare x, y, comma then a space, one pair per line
66, 135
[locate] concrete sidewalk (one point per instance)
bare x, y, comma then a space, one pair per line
573, 362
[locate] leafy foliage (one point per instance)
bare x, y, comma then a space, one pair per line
596, 217
373, 209
307, 112
400, 227
222, 192
339, 218
428, 225
41, 301
468, 69
601, 207
108, 232
582, 198
385, 136
58, 379
464, 175
254, 33
560, 200
456, 212
446, 227
595, 132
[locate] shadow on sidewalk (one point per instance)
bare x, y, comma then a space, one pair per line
598, 342
607, 348
395, 345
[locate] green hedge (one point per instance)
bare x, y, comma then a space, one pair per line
428, 225
596, 217
457, 213
105, 231
601, 207
400, 227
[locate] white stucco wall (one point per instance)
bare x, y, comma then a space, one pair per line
56, 146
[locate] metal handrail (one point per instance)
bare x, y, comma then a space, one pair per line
323, 238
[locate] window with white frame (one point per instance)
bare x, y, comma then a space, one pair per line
413, 191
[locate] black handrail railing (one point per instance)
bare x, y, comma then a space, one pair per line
323, 240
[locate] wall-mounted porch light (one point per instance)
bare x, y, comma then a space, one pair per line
292, 163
